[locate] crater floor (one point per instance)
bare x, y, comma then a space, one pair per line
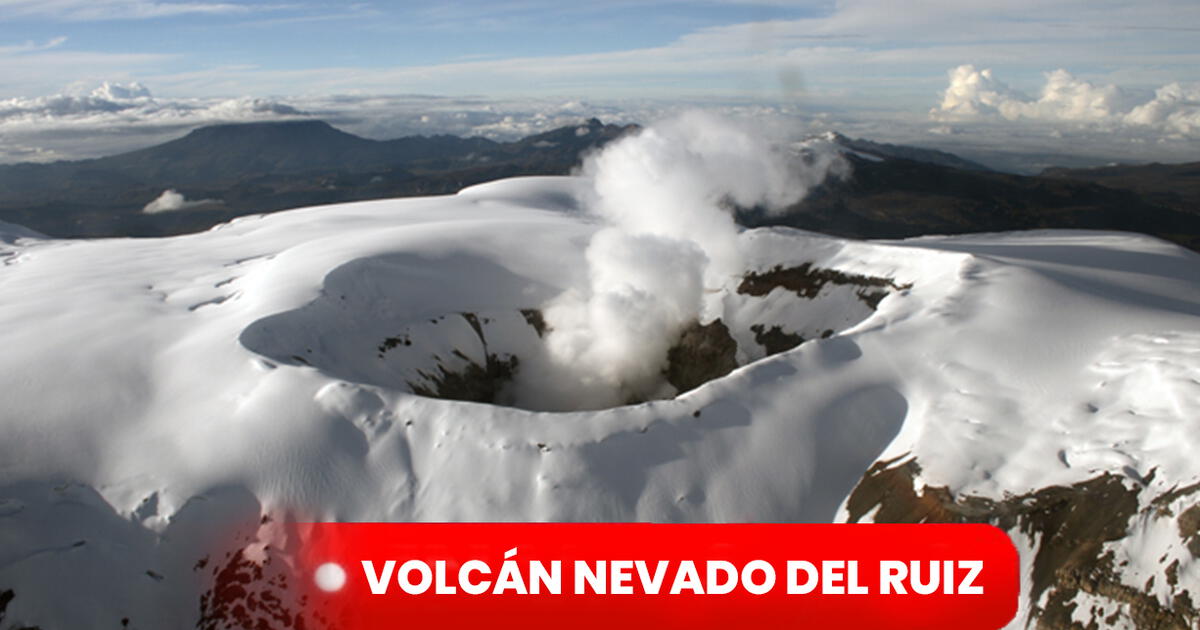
170, 403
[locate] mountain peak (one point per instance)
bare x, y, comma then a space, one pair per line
886, 151
226, 152
273, 126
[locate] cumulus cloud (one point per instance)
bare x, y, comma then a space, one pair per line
89, 121
115, 117
250, 108
117, 92
170, 201
108, 98
392, 116
977, 94
973, 93
665, 197
1175, 107
121, 103
83, 120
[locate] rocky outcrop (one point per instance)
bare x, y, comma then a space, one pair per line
807, 281
703, 353
1072, 528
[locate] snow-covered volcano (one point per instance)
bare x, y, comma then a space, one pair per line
160, 394
460, 323
169, 402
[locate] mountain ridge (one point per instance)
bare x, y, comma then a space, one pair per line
268, 166
902, 198
218, 383
917, 154
893, 191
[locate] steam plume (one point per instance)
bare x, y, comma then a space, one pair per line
665, 196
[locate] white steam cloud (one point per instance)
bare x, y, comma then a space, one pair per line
977, 94
666, 196
170, 200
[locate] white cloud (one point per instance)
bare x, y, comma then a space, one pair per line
1066, 98
89, 121
976, 94
132, 103
86, 121
30, 46
846, 54
93, 10
170, 200
118, 92
1175, 107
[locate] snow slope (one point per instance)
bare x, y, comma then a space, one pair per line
162, 395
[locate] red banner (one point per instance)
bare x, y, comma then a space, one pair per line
590, 575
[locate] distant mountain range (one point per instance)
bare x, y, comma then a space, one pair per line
899, 151
908, 192
263, 167
894, 191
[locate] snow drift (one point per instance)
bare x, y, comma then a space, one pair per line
171, 404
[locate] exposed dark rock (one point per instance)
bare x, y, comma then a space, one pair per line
807, 281
535, 319
1163, 502
702, 354
1189, 529
871, 298
7, 596
473, 321
249, 594
474, 383
393, 342
774, 340
1070, 523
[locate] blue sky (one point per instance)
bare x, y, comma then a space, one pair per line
1125, 71
372, 35
758, 49
198, 48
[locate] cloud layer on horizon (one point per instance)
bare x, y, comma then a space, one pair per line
845, 52
977, 116
132, 101
115, 117
977, 94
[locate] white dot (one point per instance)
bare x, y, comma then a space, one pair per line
330, 577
